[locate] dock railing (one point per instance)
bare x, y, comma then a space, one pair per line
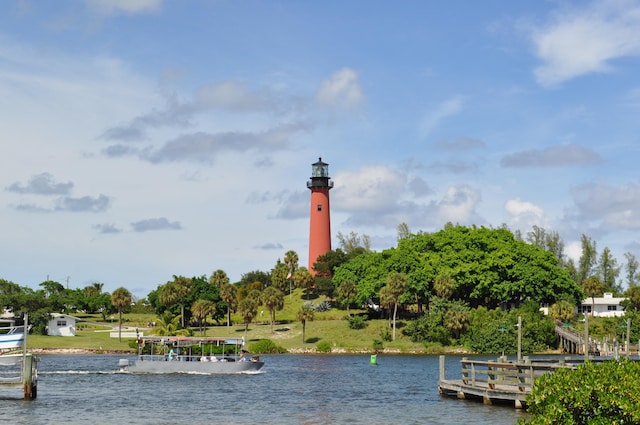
506, 375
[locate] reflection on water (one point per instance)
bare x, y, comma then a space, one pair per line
292, 389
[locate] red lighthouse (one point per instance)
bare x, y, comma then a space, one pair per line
319, 216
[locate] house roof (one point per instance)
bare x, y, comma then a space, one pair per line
608, 299
63, 316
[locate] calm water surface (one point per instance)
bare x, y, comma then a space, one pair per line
291, 389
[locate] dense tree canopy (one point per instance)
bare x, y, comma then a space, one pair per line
488, 267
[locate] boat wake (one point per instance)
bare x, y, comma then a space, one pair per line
78, 372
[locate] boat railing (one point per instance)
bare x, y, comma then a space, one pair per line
187, 358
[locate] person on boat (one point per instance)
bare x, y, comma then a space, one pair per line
243, 357
214, 359
171, 354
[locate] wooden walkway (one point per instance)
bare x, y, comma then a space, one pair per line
498, 382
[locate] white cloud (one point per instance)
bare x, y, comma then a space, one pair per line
341, 90
583, 41
110, 7
610, 207
459, 205
448, 108
374, 188
552, 156
524, 215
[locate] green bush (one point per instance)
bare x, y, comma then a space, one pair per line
594, 394
266, 346
377, 345
323, 347
356, 322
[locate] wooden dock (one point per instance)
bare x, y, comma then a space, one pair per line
500, 381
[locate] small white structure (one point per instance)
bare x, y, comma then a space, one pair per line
62, 325
605, 306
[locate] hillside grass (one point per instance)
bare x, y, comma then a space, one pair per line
328, 326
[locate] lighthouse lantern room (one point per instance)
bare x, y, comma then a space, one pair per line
319, 214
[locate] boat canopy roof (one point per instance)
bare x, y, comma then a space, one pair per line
189, 341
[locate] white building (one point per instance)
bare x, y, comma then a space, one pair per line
62, 325
606, 306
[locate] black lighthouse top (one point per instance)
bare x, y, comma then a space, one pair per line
320, 175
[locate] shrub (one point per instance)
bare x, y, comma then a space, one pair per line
377, 345
356, 322
266, 346
605, 393
322, 306
323, 347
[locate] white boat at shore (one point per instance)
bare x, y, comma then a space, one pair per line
18, 368
11, 337
175, 354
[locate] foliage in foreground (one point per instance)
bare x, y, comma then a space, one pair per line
594, 394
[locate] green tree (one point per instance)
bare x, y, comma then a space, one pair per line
456, 319
201, 309
347, 292
304, 279
168, 324
279, 278
593, 286
562, 311
229, 294
444, 285
588, 258
354, 244
608, 271
120, 299
291, 260
304, 315
631, 269
273, 299
248, 308
219, 278
396, 284
403, 231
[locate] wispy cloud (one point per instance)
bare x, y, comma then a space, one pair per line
553, 156
41, 184
107, 228
341, 90
152, 224
432, 118
130, 7
586, 40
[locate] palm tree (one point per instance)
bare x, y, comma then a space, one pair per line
396, 284
229, 294
303, 279
183, 287
305, 314
273, 299
444, 285
219, 278
562, 311
169, 325
248, 308
593, 286
456, 318
201, 309
347, 290
120, 299
291, 260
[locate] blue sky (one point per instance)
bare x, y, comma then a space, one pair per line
147, 138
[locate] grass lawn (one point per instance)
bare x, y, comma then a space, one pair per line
287, 331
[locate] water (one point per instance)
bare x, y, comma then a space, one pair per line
291, 389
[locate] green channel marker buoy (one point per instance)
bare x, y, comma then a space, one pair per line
374, 359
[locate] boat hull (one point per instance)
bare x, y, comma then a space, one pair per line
196, 367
